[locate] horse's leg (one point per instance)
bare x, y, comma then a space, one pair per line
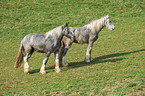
42, 70
61, 51
68, 43
64, 60
26, 59
62, 57
57, 69
88, 53
26, 66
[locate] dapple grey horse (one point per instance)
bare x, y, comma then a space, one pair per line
48, 43
86, 34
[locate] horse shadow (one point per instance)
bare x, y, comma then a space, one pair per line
100, 59
38, 70
104, 58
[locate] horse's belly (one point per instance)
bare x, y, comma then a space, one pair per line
82, 39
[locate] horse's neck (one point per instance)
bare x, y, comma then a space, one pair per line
99, 25
96, 26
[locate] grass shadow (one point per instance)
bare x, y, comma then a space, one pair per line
34, 71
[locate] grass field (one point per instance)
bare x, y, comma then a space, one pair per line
119, 56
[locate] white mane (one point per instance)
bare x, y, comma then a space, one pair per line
54, 32
97, 23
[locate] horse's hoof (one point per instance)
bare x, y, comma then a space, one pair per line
87, 61
26, 71
91, 59
57, 70
65, 65
15, 66
42, 72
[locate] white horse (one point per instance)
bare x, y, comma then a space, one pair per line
47, 43
86, 34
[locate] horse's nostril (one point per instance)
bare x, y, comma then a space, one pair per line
113, 28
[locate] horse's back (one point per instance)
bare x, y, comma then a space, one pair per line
33, 37
33, 40
82, 34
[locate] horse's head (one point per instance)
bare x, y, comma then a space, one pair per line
67, 32
109, 23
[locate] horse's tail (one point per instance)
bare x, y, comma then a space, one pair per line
19, 58
61, 49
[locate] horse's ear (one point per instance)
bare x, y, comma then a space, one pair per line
66, 28
107, 16
67, 23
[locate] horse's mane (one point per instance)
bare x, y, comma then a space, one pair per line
54, 32
96, 23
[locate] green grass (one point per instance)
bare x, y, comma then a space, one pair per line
119, 56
